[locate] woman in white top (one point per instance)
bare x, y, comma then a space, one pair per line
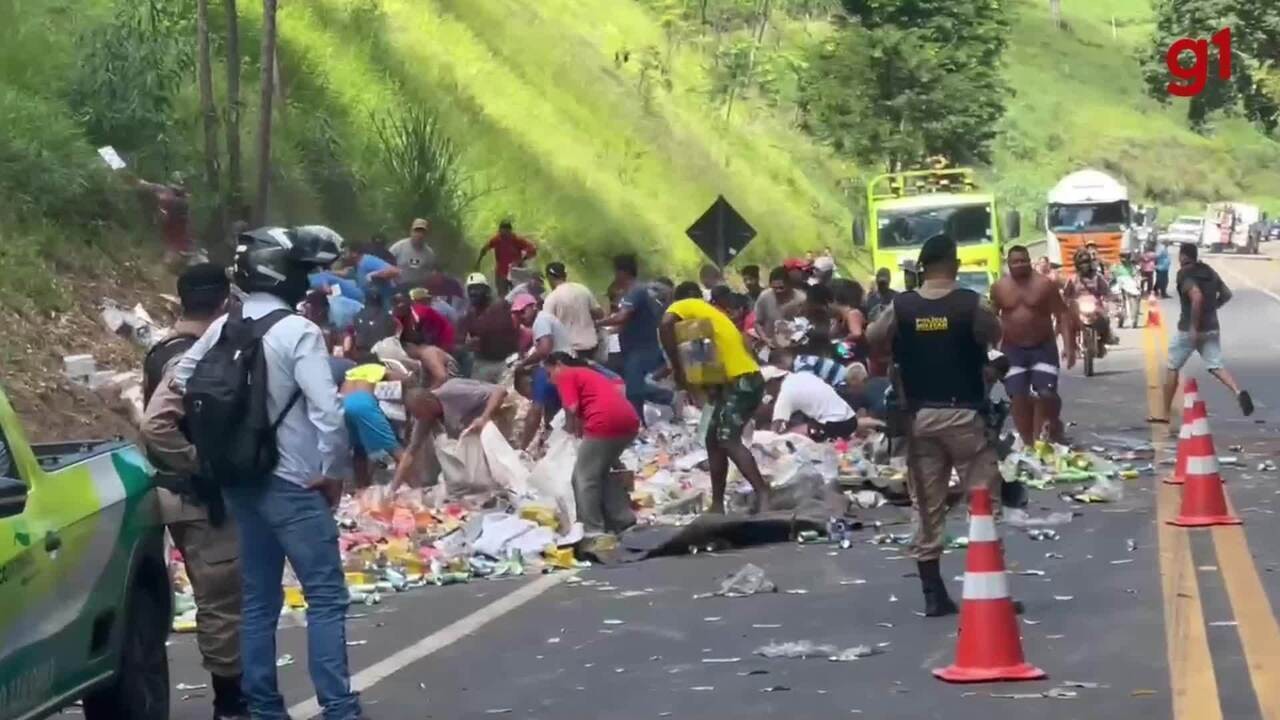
817, 404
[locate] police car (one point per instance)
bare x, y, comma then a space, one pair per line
85, 600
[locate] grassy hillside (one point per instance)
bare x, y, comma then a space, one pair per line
1079, 102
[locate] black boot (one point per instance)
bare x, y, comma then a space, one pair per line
228, 701
936, 601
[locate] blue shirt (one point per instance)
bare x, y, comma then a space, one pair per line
350, 288
368, 265
640, 332
1162, 259
343, 311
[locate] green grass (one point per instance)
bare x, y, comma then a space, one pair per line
1080, 102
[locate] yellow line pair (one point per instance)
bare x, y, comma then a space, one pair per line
1191, 669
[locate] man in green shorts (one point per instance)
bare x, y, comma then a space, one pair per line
731, 404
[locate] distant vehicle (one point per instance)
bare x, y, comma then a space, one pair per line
1184, 229
1272, 232
1228, 225
905, 209
85, 601
1087, 206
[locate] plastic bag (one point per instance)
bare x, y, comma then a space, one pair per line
552, 478
749, 580
1021, 519
505, 466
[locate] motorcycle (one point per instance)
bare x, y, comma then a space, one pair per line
1092, 336
1127, 289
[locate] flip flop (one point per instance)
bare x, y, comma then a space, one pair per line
1157, 420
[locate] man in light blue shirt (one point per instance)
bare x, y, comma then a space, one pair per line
291, 514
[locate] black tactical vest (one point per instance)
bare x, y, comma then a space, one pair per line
940, 360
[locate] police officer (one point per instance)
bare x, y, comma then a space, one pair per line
193, 510
940, 335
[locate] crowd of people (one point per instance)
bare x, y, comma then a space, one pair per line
297, 339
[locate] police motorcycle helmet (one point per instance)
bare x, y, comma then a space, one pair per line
277, 260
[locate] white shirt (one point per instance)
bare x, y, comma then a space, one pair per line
313, 437
572, 304
546, 324
807, 394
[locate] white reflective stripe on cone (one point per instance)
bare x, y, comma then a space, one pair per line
1198, 427
982, 528
1189, 399
1202, 465
986, 586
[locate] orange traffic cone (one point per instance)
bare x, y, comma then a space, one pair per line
989, 647
1203, 501
1189, 430
1153, 312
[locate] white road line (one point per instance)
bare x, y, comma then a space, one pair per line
438, 640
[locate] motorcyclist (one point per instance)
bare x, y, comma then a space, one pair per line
1088, 280
1126, 280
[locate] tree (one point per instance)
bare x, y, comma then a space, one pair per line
209, 113
1255, 54
128, 74
908, 80
235, 180
264, 120
731, 73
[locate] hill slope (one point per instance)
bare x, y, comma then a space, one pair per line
1080, 102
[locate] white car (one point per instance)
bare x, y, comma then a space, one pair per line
1186, 228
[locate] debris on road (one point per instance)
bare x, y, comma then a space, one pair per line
749, 580
808, 649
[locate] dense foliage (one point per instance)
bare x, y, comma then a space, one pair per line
1252, 89
908, 79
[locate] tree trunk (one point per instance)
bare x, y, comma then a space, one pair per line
204, 68
264, 119
759, 38
1055, 12
235, 180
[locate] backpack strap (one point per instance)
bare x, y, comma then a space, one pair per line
258, 330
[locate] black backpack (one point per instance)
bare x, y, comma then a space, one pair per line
226, 405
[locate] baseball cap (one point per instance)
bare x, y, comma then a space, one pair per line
824, 263
419, 294
797, 264
420, 224
476, 278
557, 270
771, 372
522, 301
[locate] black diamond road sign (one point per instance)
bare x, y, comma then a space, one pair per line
721, 233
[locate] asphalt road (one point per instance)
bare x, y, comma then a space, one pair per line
1181, 626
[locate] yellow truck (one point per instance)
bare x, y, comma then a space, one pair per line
904, 209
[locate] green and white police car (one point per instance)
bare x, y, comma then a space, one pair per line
85, 600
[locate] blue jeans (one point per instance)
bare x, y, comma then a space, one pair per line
278, 521
636, 366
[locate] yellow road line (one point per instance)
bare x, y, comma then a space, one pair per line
1256, 623
1191, 675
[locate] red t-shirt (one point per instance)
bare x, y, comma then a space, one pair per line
598, 401
430, 328
508, 251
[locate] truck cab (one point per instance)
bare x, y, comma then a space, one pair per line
906, 209
85, 600
1088, 206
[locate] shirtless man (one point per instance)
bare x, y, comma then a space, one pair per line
1028, 303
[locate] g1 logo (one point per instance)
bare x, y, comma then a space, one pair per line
1194, 78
